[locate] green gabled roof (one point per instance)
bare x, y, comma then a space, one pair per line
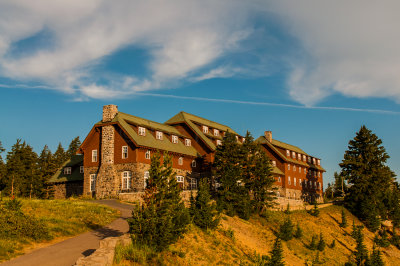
192, 120
263, 140
124, 120
75, 162
277, 171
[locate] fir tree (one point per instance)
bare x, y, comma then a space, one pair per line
2, 170
73, 148
340, 186
361, 253
286, 230
59, 156
287, 211
376, 257
321, 243
313, 244
344, 220
394, 213
333, 244
204, 212
276, 255
47, 168
299, 231
162, 218
370, 179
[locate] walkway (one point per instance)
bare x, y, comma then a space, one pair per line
67, 252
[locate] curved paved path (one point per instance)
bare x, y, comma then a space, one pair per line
68, 251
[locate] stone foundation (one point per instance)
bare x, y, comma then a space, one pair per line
136, 197
67, 189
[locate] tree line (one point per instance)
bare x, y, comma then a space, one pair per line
24, 173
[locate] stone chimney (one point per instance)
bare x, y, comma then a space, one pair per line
109, 112
268, 135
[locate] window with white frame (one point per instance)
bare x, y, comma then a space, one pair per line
219, 142
319, 185
142, 131
93, 182
205, 129
294, 167
304, 157
81, 169
124, 152
159, 135
180, 179
287, 153
193, 183
194, 163
289, 181
279, 179
309, 159
126, 180
146, 177
288, 166
273, 163
299, 182
67, 170
216, 132
174, 139
299, 169
319, 162
305, 171
310, 183
188, 142
299, 157
293, 155
147, 155
94, 155
315, 184
180, 161
294, 181
313, 160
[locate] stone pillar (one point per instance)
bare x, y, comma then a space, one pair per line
109, 112
268, 135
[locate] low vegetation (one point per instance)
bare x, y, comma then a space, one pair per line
25, 223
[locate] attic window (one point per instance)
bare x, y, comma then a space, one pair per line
304, 158
174, 139
216, 132
319, 174
205, 129
67, 170
319, 162
287, 153
243, 140
94, 155
159, 135
147, 155
142, 131
219, 142
81, 169
309, 159
299, 157
124, 152
273, 163
293, 155
313, 160
188, 142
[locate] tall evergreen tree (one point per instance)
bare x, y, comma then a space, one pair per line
203, 211
344, 220
2, 170
276, 257
162, 218
370, 179
257, 174
47, 168
286, 230
73, 148
22, 170
232, 194
340, 186
361, 252
376, 257
59, 156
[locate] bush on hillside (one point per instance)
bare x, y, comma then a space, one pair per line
286, 230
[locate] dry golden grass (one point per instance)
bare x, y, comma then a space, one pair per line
257, 236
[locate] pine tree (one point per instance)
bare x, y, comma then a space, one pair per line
162, 218
361, 252
47, 168
344, 220
59, 156
2, 170
376, 257
22, 170
287, 211
394, 213
204, 212
299, 231
340, 186
370, 179
73, 148
276, 255
313, 245
321, 243
257, 174
286, 230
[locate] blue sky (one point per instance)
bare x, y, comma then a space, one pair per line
313, 73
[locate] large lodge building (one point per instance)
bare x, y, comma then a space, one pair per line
114, 159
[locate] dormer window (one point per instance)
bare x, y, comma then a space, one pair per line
293, 155
67, 170
274, 163
174, 139
299, 157
216, 132
205, 129
319, 162
142, 131
304, 158
309, 159
313, 160
159, 135
287, 153
188, 142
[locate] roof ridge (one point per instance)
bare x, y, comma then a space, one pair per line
183, 112
161, 124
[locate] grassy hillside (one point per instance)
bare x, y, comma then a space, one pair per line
46, 221
242, 242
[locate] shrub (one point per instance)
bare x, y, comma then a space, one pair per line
321, 243
299, 231
314, 211
286, 230
381, 239
313, 245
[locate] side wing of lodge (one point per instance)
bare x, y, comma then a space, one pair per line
114, 159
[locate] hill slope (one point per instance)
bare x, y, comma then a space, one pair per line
237, 241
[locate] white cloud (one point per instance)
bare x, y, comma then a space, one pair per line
345, 47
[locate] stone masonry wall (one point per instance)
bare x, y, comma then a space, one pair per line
67, 189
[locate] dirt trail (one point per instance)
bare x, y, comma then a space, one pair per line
68, 251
